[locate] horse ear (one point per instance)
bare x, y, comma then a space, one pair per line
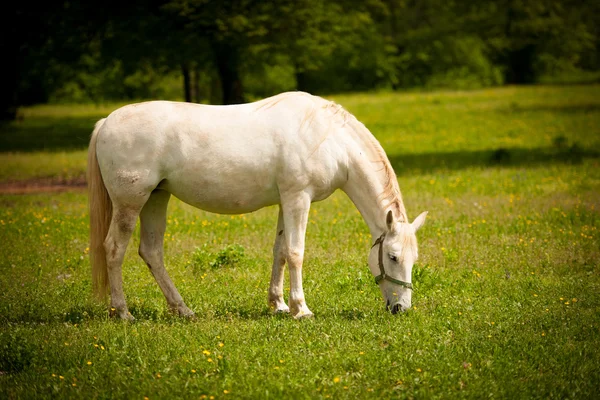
389, 220
419, 221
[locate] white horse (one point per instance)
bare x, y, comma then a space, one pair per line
291, 149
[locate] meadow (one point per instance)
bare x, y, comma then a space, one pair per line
505, 303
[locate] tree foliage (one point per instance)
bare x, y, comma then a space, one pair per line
231, 51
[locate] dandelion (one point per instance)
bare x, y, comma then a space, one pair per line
193, 371
226, 391
281, 361
89, 363
419, 370
206, 352
336, 379
221, 344
361, 353
159, 376
209, 359
73, 384
61, 377
574, 300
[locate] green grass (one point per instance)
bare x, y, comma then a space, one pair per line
506, 289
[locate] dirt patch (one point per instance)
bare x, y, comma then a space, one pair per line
43, 185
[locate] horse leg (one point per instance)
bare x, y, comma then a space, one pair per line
153, 222
276, 300
121, 227
295, 217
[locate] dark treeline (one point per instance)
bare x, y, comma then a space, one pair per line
230, 51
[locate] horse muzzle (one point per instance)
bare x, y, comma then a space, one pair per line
396, 308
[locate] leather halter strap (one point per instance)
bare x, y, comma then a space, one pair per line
383, 275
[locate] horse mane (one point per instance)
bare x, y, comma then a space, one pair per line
390, 196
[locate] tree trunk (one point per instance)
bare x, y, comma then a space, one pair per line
227, 61
8, 107
187, 88
196, 85
301, 80
9, 81
520, 56
520, 65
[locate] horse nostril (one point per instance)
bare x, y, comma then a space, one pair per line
396, 308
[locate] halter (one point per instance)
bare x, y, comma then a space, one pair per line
383, 275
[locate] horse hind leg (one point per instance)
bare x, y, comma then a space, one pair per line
276, 301
121, 227
153, 222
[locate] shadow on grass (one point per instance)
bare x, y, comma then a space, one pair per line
46, 134
405, 164
515, 108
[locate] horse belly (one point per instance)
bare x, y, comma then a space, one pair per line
230, 188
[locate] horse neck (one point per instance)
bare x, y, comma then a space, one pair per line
372, 184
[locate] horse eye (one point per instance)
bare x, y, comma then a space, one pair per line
393, 258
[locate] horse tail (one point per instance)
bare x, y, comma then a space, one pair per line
100, 215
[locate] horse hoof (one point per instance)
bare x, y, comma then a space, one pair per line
281, 310
188, 315
121, 314
184, 312
304, 315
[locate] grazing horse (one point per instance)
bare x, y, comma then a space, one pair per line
291, 150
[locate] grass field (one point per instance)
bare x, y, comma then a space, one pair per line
506, 298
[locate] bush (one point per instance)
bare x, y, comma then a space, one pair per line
230, 256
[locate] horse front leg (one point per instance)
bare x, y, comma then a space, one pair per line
276, 301
295, 217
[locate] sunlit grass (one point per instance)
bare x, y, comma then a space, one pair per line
43, 164
505, 302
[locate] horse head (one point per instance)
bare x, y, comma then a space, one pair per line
391, 260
